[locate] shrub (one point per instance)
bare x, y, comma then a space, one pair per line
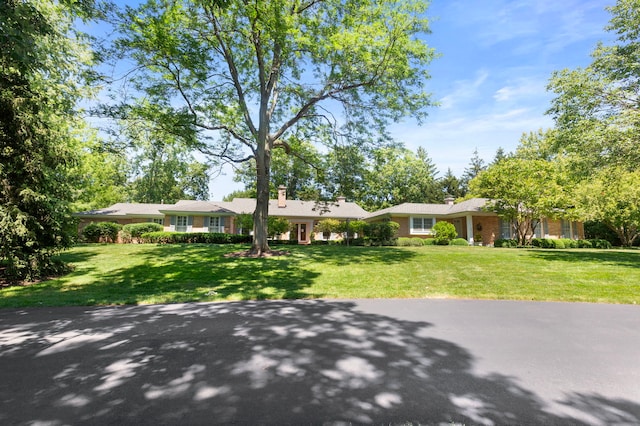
417, 242
193, 237
382, 233
101, 232
505, 243
557, 243
459, 242
135, 230
584, 244
414, 242
444, 232
600, 243
404, 242
429, 241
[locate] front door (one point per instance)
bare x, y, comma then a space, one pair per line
303, 232
459, 229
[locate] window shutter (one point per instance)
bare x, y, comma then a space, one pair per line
189, 223
207, 221
172, 223
222, 224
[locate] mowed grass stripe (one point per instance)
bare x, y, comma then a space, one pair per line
143, 274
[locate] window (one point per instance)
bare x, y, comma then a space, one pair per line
216, 224
566, 229
181, 223
505, 229
421, 225
159, 221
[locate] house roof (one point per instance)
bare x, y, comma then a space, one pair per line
125, 209
294, 208
298, 208
473, 205
191, 206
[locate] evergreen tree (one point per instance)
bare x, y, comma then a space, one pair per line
39, 86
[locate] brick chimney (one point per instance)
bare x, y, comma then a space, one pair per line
341, 199
282, 196
449, 201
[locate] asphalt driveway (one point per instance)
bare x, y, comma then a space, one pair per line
322, 362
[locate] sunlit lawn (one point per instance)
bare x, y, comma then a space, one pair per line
142, 274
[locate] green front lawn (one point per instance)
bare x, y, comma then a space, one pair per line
142, 274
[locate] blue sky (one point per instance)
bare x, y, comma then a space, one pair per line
496, 59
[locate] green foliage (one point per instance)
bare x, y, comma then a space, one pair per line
444, 232
163, 168
600, 244
612, 196
585, 244
277, 226
459, 242
429, 241
193, 237
523, 190
328, 226
382, 233
410, 242
41, 66
505, 243
101, 232
597, 117
594, 229
240, 81
397, 175
135, 230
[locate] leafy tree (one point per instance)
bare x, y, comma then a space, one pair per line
100, 176
345, 168
597, 116
597, 108
41, 65
328, 226
522, 191
277, 226
613, 197
167, 173
397, 175
298, 172
237, 78
244, 193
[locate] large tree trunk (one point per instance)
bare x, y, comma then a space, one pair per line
260, 244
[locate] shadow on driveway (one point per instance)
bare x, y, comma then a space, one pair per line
275, 362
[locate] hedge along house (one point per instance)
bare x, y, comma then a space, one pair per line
207, 216
472, 221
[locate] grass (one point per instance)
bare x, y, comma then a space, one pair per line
144, 274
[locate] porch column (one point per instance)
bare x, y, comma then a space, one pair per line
470, 229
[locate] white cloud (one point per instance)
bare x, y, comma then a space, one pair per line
523, 88
465, 90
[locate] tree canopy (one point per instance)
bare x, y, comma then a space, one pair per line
237, 79
597, 116
41, 64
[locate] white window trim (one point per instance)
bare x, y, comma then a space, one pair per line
179, 227
421, 231
215, 228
